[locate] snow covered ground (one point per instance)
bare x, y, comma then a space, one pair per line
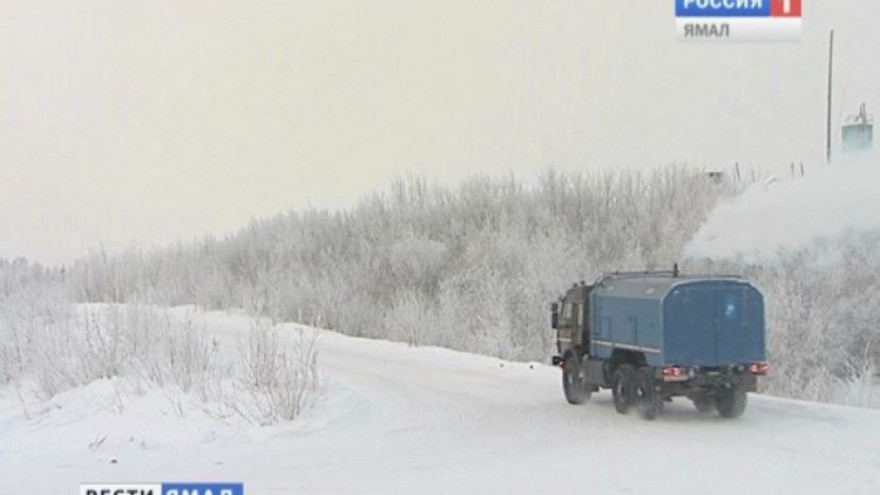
394, 419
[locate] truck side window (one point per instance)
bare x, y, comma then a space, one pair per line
565, 317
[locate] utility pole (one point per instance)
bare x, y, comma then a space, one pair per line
828, 120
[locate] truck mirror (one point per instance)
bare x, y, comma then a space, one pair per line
554, 315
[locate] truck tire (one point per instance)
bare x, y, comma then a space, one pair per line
703, 404
648, 399
574, 381
621, 388
731, 402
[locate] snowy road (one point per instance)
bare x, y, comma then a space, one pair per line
402, 420
442, 422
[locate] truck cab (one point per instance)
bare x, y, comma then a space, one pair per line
572, 316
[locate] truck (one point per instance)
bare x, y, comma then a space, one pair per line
654, 335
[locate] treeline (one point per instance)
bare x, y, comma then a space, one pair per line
473, 268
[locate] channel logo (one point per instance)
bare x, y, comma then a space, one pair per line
176, 488
738, 20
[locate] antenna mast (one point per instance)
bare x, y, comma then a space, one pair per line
828, 121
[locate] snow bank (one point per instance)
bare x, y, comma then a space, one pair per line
774, 216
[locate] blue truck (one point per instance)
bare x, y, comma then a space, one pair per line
651, 336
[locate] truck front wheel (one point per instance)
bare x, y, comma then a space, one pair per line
574, 381
621, 388
732, 402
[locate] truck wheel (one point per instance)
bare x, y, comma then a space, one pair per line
703, 403
731, 402
648, 398
574, 382
621, 388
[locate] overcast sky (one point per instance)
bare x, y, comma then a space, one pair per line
157, 120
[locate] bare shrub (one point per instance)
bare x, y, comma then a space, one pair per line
269, 378
408, 321
261, 359
861, 388
280, 375
187, 352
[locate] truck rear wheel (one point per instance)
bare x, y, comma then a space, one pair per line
703, 403
621, 388
648, 398
574, 382
732, 402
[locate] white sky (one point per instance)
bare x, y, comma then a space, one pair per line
125, 121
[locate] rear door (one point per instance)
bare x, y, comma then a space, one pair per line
731, 334
690, 327
713, 324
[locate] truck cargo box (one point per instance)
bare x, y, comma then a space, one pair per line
678, 320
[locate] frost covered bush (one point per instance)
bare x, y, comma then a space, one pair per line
430, 253
24, 313
280, 378
171, 348
95, 342
269, 378
823, 309
861, 387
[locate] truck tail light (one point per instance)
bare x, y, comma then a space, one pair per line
759, 368
674, 374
